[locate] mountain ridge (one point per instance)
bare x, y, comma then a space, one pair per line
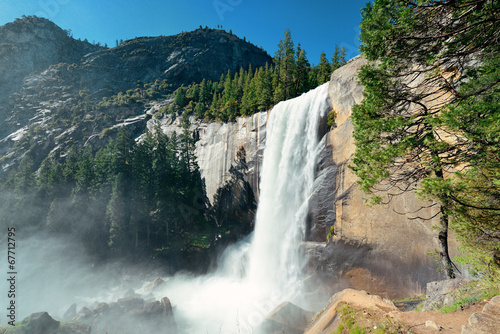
52, 85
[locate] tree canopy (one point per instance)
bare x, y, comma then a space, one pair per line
253, 90
430, 116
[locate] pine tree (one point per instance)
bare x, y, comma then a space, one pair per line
119, 215
263, 86
338, 59
303, 67
408, 129
324, 69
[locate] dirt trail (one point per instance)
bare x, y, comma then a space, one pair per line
451, 323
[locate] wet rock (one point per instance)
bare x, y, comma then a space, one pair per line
84, 314
167, 307
153, 309
101, 308
286, 318
130, 303
41, 322
152, 286
70, 313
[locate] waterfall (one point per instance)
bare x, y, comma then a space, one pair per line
257, 274
286, 184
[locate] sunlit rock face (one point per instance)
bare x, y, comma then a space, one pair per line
218, 146
381, 249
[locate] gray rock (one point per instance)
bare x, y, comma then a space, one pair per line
70, 313
439, 293
152, 286
167, 307
286, 318
41, 322
153, 309
131, 303
84, 314
101, 308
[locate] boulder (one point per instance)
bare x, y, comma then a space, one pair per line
440, 293
152, 286
70, 313
286, 318
327, 321
41, 322
167, 307
130, 303
84, 314
487, 321
153, 309
101, 308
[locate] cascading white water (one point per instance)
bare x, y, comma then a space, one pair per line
256, 275
286, 183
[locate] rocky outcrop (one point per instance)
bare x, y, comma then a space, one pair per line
485, 322
440, 293
31, 45
129, 314
218, 146
234, 203
381, 249
329, 319
286, 318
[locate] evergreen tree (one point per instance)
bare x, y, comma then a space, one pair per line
303, 67
205, 92
408, 129
324, 69
119, 215
338, 59
263, 86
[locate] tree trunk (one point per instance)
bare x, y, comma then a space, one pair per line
443, 237
443, 245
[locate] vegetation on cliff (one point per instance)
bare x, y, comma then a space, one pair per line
253, 90
430, 118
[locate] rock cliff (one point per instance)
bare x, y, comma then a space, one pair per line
381, 249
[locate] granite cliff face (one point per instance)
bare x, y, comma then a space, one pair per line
381, 249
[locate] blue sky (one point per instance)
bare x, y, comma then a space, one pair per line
316, 25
